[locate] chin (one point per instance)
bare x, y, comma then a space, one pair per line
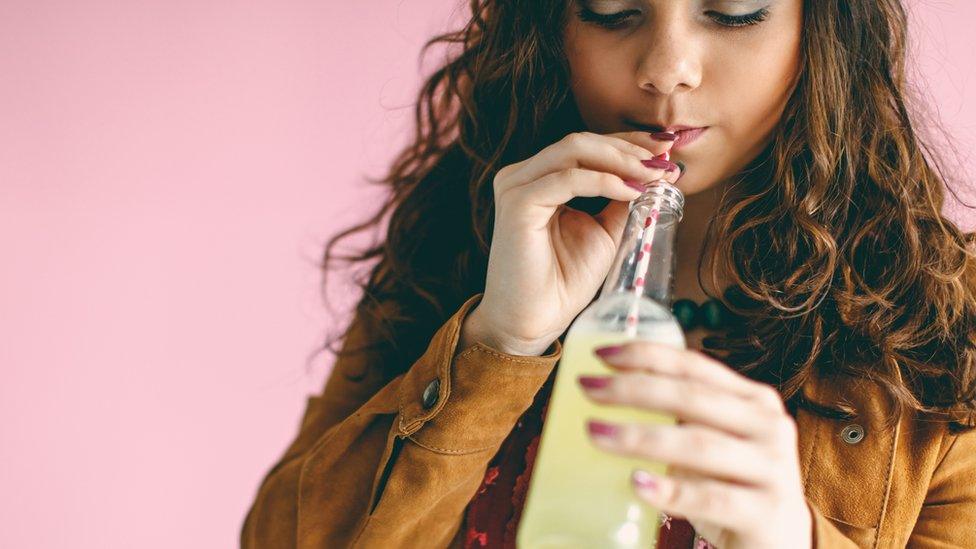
690, 186
699, 178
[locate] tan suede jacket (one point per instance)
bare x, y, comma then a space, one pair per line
394, 465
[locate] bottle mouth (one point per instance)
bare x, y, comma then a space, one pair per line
670, 195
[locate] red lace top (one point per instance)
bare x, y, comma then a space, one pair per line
493, 514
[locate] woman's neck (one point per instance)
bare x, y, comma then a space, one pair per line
699, 209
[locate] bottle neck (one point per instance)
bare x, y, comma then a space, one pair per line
646, 256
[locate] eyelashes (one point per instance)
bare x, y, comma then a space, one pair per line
608, 20
619, 19
740, 20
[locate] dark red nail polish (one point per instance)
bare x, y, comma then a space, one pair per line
604, 352
664, 136
601, 429
594, 382
659, 163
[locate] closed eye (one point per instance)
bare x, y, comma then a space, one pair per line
607, 20
740, 20
619, 19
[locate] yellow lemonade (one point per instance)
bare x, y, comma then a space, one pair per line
581, 496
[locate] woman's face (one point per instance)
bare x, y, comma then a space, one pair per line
665, 63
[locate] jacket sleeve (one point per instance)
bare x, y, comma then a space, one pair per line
948, 516
395, 464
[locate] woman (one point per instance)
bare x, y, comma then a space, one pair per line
838, 411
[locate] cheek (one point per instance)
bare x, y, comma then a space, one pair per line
756, 85
762, 92
598, 84
748, 88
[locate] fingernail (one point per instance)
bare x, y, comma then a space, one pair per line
645, 480
635, 185
604, 352
664, 136
601, 429
594, 382
659, 163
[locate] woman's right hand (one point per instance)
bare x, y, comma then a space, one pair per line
547, 261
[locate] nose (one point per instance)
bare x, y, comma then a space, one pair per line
670, 59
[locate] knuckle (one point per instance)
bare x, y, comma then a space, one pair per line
633, 439
628, 387
681, 495
633, 388
769, 397
640, 387
575, 173
609, 179
627, 146
503, 173
716, 502
650, 437
679, 365
638, 151
691, 399
575, 139
615, 153
698, 441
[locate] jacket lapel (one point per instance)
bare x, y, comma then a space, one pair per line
847, 464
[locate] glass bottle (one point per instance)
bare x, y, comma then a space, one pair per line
580, 496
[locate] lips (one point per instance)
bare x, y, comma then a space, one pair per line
686, 134
678, 128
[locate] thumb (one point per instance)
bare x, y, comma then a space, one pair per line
613, 219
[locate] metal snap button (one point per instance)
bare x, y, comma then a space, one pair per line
852, 434
432, 393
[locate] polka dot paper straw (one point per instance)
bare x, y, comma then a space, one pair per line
643, 259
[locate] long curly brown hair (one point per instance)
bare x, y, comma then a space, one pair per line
843, 261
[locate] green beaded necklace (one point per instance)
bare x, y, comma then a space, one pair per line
711, 315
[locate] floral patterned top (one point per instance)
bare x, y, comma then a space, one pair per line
493, 514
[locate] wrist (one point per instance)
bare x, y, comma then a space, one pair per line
474, 330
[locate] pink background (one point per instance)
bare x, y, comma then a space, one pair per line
168, 173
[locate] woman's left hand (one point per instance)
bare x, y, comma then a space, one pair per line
734, 469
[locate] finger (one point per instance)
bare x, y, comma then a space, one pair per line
582, 150
656, 143
673, 176
721, 503
613, 218
689, 400
695, 448
685, 364
677, 471
552, 190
